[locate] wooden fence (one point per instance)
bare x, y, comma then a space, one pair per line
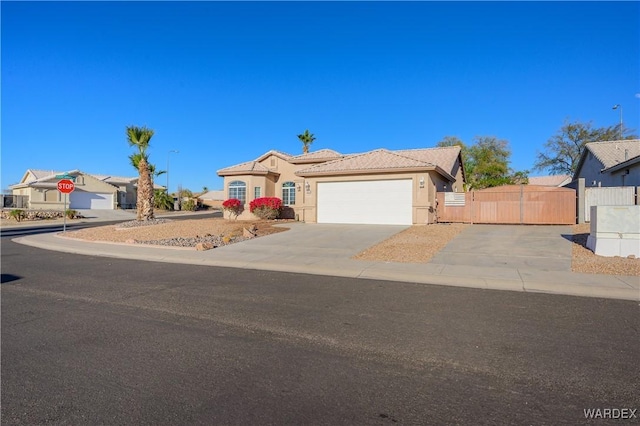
512, 204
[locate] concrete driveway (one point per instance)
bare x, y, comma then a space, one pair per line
545, 248
312, 243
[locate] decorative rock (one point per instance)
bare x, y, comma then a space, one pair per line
631, 256
130, 241
204, 246
249, 233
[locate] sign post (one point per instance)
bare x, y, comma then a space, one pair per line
65, 186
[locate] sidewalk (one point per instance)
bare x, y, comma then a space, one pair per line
270, 253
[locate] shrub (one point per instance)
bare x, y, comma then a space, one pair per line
71, 214
266, 207
17, 214
233, 206
189, 205
162, 200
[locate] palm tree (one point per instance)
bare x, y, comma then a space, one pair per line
140, 137
135, 162
307, 139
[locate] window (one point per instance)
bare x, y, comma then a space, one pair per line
238, 189
51, 195
288, 193
257, 192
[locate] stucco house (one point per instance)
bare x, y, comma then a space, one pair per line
212, 198
91, 191
375, 187
611, 163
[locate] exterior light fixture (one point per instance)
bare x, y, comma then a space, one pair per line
307, 187
618, 106
298, 187
421, 181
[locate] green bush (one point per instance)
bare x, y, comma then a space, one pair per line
71, 214
162, 200
17, 214
189, 205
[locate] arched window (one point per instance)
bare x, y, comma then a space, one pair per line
238, 189
288, 193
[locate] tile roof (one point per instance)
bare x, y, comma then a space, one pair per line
612, 153
380, 159
274, 152
248, 167
254, 166
113, 179
554, 180
445, 157
322, 154
39, 174
46, 175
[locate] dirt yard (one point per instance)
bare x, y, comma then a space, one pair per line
586, 261
191, 228
417, 244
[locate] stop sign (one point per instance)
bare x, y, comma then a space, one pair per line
66, 186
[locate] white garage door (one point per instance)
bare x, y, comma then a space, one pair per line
383, 202
90, 200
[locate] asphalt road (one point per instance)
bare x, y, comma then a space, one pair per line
90, 340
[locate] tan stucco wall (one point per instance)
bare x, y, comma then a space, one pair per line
271, 184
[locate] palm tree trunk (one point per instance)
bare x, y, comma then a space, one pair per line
144, 204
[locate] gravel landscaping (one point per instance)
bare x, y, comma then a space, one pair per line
417, 244
176, 233
586, 261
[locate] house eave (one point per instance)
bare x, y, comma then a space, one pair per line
247, 173
378, 172
620, 166
313, 160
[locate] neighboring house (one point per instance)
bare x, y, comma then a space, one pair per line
553, 180
612, 163
100, 192
375, 187
212, 198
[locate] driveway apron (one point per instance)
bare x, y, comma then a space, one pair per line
532, 247
311, 243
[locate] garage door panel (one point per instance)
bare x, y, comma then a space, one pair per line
366, 202
90, 200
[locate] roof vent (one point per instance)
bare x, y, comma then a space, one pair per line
626, 154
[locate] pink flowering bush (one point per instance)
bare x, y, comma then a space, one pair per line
266, 207
233, 206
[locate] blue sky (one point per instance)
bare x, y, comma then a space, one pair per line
224, 82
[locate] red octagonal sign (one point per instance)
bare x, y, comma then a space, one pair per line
66, 186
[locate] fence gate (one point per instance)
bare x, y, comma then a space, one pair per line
609, 196
511, 204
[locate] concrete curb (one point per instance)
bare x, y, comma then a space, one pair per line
488, 278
